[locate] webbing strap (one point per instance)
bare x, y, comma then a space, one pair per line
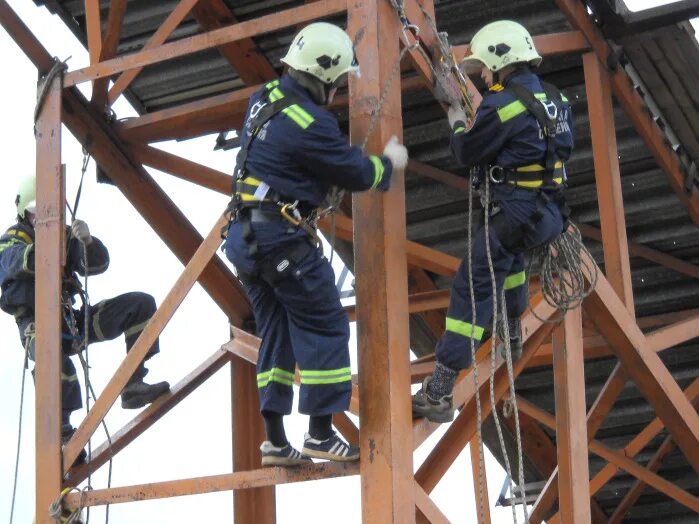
546, 121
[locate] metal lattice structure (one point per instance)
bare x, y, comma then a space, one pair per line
395, 277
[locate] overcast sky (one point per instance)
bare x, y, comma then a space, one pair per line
194, 439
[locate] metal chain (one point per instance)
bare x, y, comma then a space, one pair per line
479, 410
493, 352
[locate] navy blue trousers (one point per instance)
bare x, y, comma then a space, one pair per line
517, 205
128, 314
300, 320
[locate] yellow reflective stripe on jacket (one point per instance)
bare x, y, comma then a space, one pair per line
515, 280
25, 259
533, 168
459, 130
275, 375
325, 376
464, 329
299, 115
533, 184
10, 242
378, 170
513, 109
68, 378
21, 234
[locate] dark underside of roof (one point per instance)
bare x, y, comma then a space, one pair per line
667, 61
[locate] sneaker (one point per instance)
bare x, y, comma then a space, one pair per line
440, 410
332, 448
66, 433
138, 394
515, 331
286, 456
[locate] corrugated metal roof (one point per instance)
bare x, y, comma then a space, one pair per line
667, 60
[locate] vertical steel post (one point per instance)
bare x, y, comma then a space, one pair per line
606, 157
571, 429
256, 504
483, 511
49, 254
381, 279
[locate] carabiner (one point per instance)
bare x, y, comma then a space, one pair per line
414, 30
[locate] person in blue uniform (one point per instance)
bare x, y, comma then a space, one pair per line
520, 138
292, 154
127, 314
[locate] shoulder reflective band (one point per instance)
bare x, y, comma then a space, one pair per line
513, 109
20, 234
300, 116
464, 329
378, 170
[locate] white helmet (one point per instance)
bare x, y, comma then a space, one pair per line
322, 50
500, 44
26, 196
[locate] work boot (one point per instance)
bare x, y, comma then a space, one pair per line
66, 432
332, 448
285, 456
137, 393
515, 331
440, 410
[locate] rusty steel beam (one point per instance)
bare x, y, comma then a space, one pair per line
194, 44
110, 42
617, 266
420, 168
634, 106
548, 44
620, 460
146, 339
464, 427
211, 484
50, 242
426, 505
571, 433
244, 55
480, 483
418, 302
644, 366
256, 505
639, 486
184, 169
380, 269
149, 416
208, 115
158, 38
641, 251
420, 282
674, 334
93, 27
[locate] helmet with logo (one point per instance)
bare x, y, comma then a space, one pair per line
500, 44
322, 50
26, 196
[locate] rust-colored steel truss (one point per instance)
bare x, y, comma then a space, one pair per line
384, 261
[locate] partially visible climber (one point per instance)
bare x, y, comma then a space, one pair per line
519, 139
128, 313
292, 153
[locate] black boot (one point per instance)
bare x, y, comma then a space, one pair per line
515, 332
66, 432
434, 410
137, 393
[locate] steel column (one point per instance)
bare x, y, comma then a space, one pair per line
49, 256
256, 505
480, 485
381, 279
571, 433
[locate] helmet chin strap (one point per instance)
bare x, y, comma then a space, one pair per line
318, 90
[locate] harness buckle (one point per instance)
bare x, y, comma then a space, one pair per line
497, 174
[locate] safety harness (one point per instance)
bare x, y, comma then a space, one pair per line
254, 201
548, 179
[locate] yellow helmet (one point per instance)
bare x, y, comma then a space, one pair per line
26, 196
322, 50
500, 44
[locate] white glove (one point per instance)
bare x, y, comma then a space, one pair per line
396, 153
456, 114
80, 231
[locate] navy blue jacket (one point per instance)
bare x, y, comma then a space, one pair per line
301, 152
506, 134
17, 267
